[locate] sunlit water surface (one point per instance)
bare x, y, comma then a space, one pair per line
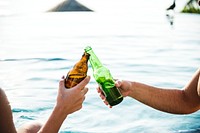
37, 49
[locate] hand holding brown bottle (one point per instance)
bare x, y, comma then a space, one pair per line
70, 100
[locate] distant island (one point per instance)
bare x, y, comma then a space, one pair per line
73, 5
69, 5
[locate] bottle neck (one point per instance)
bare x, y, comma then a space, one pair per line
85, 57
94, 61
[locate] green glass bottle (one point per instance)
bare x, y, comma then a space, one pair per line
104, 78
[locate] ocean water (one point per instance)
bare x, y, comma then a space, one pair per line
37, 49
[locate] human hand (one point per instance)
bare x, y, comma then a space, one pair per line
123, 86
71, 100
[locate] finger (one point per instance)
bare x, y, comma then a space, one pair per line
80, 101
84, 98
102, 97
78, 107
84, 91
105, 102
61, 84
118, 83
99, 90
83, 83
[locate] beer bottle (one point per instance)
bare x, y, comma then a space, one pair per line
104, 78
78, 72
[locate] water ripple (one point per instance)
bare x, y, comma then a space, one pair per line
189, 131
18, 110
27, 117
42, 79
34, 59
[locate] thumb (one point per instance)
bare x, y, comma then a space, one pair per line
61, 87
83, 83
118, 83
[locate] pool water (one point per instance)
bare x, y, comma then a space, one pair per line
36, 50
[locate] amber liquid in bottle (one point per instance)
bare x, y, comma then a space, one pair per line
78, 72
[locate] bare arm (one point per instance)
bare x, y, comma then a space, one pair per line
171, 100
168, 100
54, 122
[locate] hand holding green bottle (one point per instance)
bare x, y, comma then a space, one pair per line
104, 78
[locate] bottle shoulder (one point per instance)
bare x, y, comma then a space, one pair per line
101, 69
102, 74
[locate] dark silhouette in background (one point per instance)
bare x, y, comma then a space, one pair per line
69, 5
170, 13
172, 6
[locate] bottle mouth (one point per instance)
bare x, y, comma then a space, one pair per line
88, 48
86, 54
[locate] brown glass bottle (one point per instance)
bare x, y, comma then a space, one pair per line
78, 72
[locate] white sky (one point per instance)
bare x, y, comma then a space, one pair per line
32, 6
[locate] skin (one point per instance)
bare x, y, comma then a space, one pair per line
6, 118
68, 101
170, 100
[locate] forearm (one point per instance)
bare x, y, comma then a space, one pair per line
54, 122
168, 100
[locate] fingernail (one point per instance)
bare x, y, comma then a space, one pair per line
117, 82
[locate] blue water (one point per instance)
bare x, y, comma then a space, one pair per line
37, 49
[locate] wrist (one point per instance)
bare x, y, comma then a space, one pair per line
131, 88
59, 110
56, 119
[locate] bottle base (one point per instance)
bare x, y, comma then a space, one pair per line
113, 103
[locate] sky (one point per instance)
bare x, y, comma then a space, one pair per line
34, 6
